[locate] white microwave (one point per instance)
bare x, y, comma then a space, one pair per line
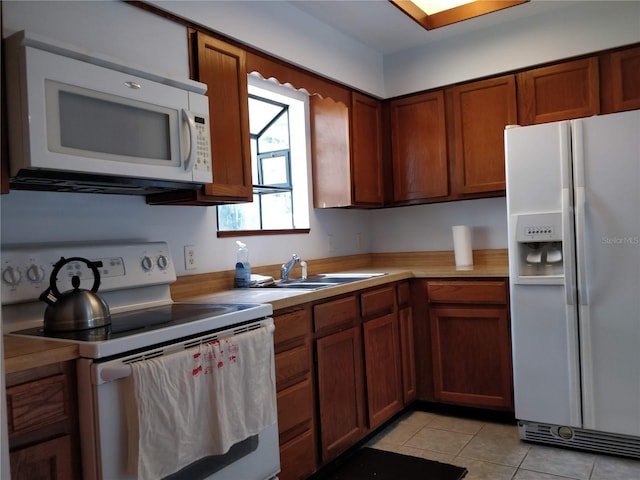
91, 124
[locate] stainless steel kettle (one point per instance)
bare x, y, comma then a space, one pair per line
76, 309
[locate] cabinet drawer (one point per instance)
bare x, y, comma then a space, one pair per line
484, 292
291, 366
291, 328
404, 294
46, 460
337, 313
36, 404
378, 302
295, 410
297, 457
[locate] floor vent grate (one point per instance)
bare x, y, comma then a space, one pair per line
581, 439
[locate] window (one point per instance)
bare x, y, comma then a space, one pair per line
278, 124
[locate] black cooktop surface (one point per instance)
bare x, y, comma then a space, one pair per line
140, 321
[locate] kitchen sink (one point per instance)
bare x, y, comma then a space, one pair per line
322, 280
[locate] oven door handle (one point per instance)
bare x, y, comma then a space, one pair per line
115, 372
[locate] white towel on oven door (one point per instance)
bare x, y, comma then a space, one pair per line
199, 402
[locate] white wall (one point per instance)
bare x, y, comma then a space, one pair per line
118, 29
288, 33
428, 227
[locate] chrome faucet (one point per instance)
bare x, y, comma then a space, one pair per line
286, 268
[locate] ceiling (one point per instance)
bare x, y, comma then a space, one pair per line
381, 26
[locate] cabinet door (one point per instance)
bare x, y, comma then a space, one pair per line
407, 355
472, 356
419, 147
382, 368
620, 80
481, 110
366, 138
559, 92
330, 153
51, 460
222, 67
340, 391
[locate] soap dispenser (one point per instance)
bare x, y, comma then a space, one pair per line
243, 269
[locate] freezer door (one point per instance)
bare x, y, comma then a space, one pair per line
607, 201
543, 312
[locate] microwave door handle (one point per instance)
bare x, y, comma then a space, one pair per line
190, 160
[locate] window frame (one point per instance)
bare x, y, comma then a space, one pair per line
260, 189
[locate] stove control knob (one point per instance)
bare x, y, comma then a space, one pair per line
147, 263
35, 273
11, 276
163, 262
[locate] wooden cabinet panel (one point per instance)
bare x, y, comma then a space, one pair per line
292, 366
330, 316
330, 153
419, 147
559, 92
51, 460
340, 391
297, 458
295, 410
292, 328
467, 291
480, 112
366, 152
36, 404
43, 422
378, 302
382, 368
620, 80
407, 354
295, 387
472, 356
223, 68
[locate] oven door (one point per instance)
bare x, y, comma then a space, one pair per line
103, 430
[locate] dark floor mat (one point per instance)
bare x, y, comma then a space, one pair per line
374, 464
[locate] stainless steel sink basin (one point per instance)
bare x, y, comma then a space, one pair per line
314, 282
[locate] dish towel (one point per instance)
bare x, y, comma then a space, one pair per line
199, 402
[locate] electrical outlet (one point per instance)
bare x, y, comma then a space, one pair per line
190, 258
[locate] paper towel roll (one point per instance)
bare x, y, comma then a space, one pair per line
462, 245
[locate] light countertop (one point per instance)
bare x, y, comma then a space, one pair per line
23, 353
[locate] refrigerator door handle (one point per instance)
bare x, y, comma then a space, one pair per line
568, 242
580, 248
580, 211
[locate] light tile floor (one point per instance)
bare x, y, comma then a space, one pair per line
493, 451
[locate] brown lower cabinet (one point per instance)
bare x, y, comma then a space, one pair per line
383, 369
42, 423
295, 393
340, 379
470, 342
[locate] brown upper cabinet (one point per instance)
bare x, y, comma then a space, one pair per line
419, 148
346, 152
223, 68
620, 80
479, 112
559, 92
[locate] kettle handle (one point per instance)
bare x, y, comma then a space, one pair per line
52, 292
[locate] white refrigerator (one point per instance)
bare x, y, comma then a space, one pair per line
573, 200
